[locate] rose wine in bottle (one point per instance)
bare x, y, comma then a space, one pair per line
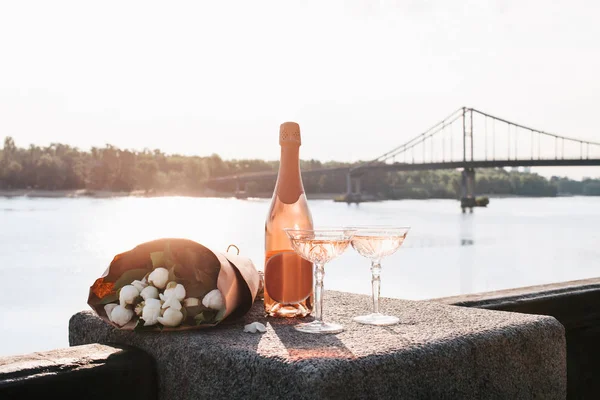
288, 290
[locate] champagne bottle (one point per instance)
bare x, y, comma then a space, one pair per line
288, 278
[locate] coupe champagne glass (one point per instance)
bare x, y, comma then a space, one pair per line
319, 246
376, 243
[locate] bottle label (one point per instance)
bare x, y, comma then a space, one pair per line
288, 278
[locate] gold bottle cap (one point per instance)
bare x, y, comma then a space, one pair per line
289, 133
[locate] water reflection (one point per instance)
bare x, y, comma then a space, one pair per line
466, 230
465, 259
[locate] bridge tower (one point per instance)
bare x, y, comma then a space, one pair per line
353, 189
241, 189
467, 182
467, 189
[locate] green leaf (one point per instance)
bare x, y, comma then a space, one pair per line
184, 312
192, 311
109, 298
139, 326
220, 315
168, 256
158, 259
130, 276
174, 276
205, 317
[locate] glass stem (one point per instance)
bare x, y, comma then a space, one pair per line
319, 274
376, 284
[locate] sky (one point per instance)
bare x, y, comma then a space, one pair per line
360, 77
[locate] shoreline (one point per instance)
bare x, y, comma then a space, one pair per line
105, 194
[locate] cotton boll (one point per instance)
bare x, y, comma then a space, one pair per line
159, 278
172, 302
108, 309
175, 289
121, 315
151, 312
139, 285
128, 294
213, 300
149, 292
171, 317
191, 302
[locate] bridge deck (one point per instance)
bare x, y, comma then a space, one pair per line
419, 167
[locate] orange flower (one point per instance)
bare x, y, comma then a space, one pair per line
101, 288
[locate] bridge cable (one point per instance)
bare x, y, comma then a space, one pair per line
531, 145
452, 146
508, 141
444, 143
494, 140
485, 121
431, 148
516, 142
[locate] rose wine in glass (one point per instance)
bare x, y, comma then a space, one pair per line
375, 244
288, 290
319, 246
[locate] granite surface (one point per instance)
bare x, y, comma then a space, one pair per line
437, 351
91, 372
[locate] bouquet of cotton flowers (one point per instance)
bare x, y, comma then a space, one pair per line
174, 284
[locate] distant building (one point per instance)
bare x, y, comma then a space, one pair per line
527, 170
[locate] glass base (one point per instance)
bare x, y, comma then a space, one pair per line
377, 319
319, 327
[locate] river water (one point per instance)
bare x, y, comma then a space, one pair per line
52, 250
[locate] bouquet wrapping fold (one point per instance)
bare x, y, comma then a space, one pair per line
198, 268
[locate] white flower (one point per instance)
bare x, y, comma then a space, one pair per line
213, 300
159, 277
172, 302
149, 292
151, 312
127, 295
255, 326
191, 302
171, 317
121, 315
139, 285
175, 289
108, 308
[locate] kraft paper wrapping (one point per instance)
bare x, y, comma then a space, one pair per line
237, 279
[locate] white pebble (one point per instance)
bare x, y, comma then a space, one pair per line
254, 327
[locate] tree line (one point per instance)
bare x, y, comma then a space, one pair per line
63, 167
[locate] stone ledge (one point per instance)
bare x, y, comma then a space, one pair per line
437, 351
575, 304
92, 372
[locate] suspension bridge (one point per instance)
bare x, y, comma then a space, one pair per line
466, 139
